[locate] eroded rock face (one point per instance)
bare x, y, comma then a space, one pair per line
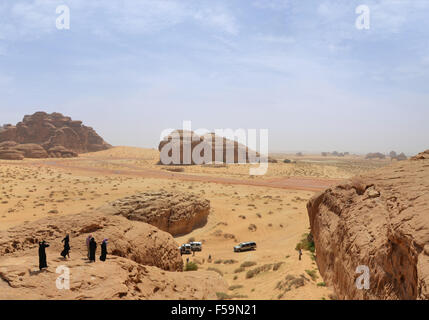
379, 220
133, 240
210, 147
142, 262
7, 154
176, 213
52, 131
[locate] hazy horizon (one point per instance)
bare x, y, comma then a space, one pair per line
300, 69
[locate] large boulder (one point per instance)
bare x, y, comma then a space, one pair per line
379, 220
54, 130
173, 212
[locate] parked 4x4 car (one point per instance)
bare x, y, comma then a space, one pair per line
245, 246
188, 248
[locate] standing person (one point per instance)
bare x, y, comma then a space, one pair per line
300, 254
66, 251
88, 240
92, 250
103, 250
42, 255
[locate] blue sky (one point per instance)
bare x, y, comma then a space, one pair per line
299, 68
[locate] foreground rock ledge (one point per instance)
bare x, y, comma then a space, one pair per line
134, 240
143, 262
380, 220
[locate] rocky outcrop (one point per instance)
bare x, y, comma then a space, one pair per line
61, 152
53, 131
173, 212
31, 150
10, 150
421, 156
142, 262
379, 220
178, 147
8, 154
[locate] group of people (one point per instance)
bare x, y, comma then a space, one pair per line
90, 244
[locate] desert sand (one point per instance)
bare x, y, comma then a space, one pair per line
270, 210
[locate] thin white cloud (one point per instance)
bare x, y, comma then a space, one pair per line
34, 18
275, 39
272, 4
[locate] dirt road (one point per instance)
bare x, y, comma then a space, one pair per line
295, 183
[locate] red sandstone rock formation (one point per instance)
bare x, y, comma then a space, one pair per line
220, 149
58, 135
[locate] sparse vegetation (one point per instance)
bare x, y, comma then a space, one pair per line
254, 272
277, 266
247, 264
289, 283
306, 243
230, 261
225, 296
215, 270
191, 266
238, 270
312, 274
235, 287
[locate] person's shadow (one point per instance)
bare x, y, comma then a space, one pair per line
36, 272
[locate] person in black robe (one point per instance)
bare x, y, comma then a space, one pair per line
103, 250
66, 251
42, 255
92, 249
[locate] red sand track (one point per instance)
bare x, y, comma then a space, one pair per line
295, 183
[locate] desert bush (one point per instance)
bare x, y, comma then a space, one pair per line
191, 266
215, 270
306, 243
277, 266
238, 270
312, 274
223, 296
321, 284
252, 227
230, 261
290, 282
247, 264
254, 272
218, 261
235, 287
